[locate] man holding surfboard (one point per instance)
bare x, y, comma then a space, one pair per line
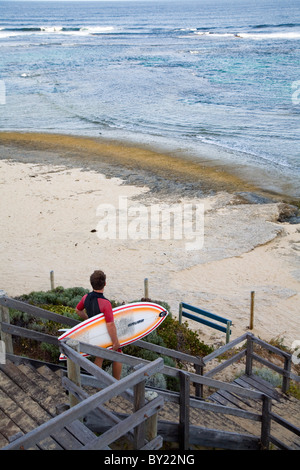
94, 303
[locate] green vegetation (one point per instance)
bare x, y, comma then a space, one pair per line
59, 296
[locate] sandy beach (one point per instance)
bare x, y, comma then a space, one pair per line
52, 211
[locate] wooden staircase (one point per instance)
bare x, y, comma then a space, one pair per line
32, 395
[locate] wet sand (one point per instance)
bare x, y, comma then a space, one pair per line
51, 188
162, 171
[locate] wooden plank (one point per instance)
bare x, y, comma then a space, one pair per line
263, 385
286, 424
266, 422
225, 364
209, 438
3, 440
271, 348
51, 392
8, 426
226, 386
30, 334
169, 352
15, 413
279, 443
184, 411
229, 399
32, 385
155, 444
225, 348
82, 433
30, 406
266, 389
222, 439
66, 440
268, 364
228, 410
139, 402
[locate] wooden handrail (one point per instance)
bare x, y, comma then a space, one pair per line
89, 404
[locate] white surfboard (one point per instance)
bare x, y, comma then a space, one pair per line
133, 322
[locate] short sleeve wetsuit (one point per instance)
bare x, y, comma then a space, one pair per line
95, 303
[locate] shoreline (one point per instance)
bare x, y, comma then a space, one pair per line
49, 222
163, 171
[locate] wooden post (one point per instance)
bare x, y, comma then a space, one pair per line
180, 313
73, 371
139, 402
5, 337
146, 288
151, 423
52, 280
286, 377
266, 423
199, 387
251, 324
249, 352
184, 413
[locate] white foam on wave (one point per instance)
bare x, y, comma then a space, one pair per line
97, 29
262, 36
51, 29
56, 29
254, 36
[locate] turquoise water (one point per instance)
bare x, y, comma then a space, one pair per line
214, 79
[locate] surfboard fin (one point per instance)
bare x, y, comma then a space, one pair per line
163, 314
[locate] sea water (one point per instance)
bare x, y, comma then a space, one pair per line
217, 80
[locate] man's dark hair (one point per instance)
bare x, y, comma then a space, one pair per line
98, 279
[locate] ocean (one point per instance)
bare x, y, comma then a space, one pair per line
215, 80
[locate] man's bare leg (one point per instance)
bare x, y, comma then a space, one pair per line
116, 367
98, 361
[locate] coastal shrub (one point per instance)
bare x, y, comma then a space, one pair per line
269, 376
58, 296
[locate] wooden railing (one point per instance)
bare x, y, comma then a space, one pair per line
182, 432
251, 356
136, 420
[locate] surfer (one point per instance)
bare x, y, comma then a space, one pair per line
94, 303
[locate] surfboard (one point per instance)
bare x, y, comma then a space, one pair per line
133, 322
